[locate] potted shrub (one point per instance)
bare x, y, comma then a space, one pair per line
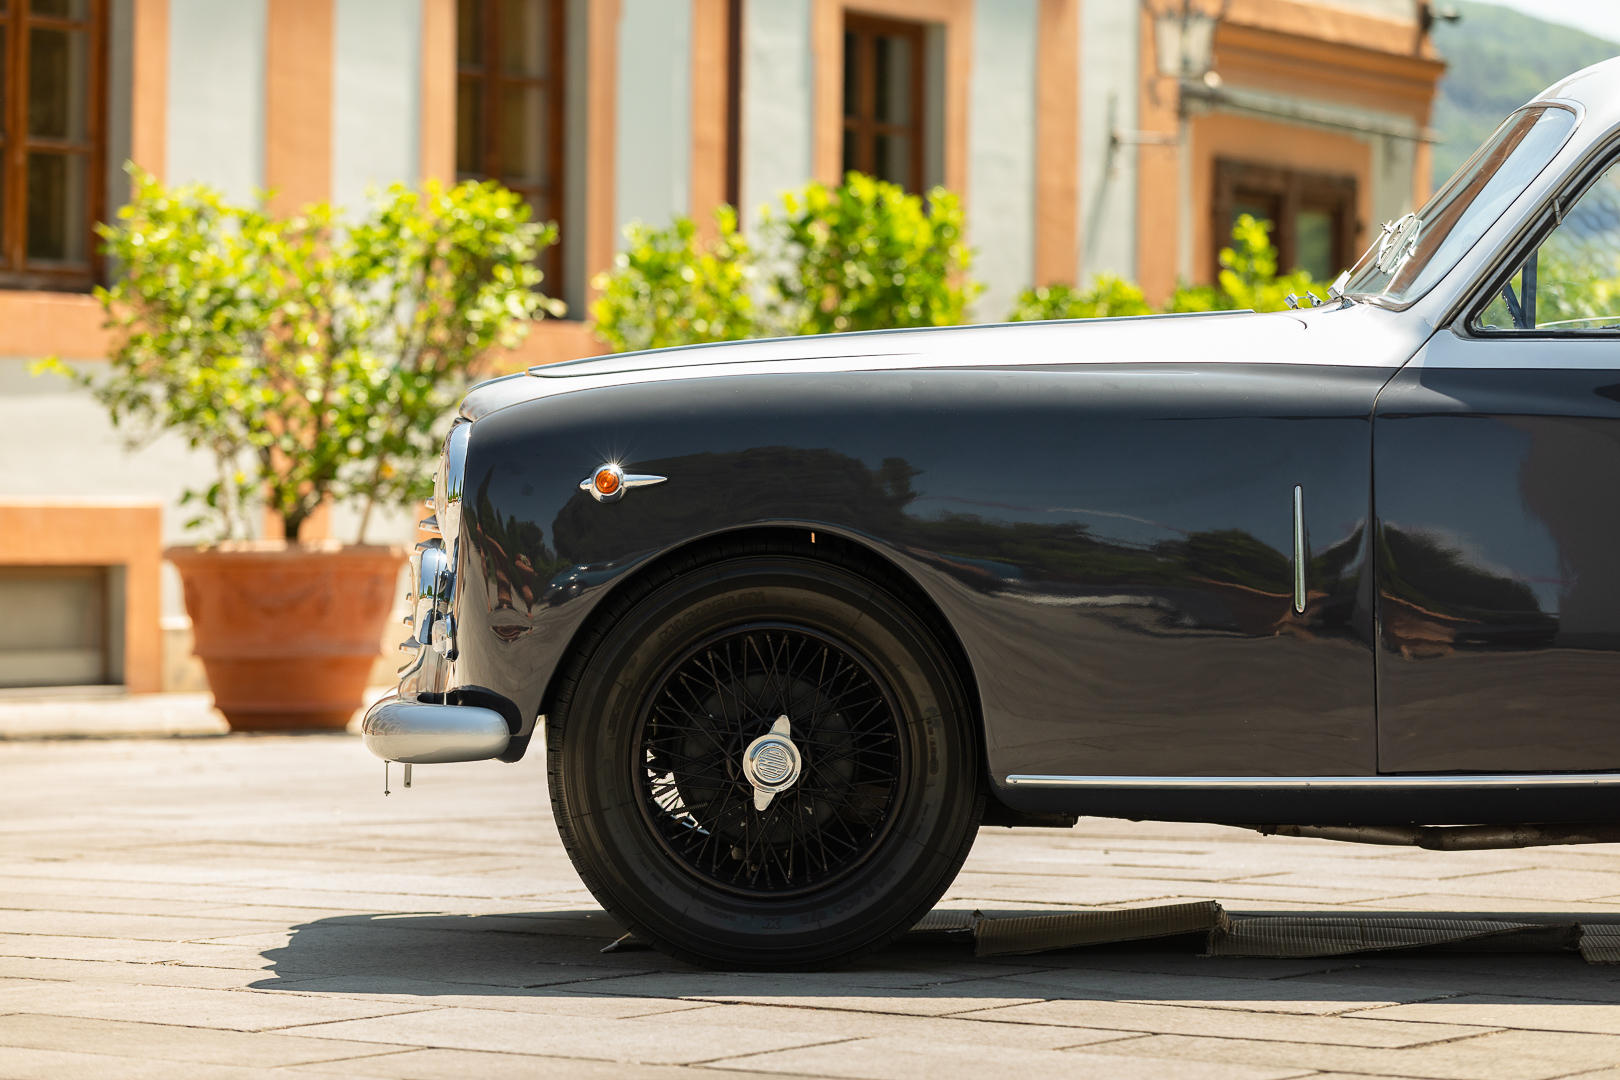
316, 361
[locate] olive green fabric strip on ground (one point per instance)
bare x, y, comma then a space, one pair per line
1328, 936
1040, 933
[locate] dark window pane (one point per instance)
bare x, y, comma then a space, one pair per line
57, 208
881, 108
470, 32
1259, 207
523, 135
58, 83
61, 9
1313, 244
892, 65
852, 105
893, 154
469, 128
526, 38
541, 206
56, 632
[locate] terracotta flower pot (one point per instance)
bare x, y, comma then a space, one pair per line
288, 632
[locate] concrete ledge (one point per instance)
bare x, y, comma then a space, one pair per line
100, 717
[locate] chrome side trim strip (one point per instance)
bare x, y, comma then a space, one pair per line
1238, 783
1299, 549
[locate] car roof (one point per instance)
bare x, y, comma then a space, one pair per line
1596, 89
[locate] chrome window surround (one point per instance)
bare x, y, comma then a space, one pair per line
1537, 225
1449, 303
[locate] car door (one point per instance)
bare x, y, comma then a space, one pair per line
1497, 499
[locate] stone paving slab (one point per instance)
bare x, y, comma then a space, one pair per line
248, 907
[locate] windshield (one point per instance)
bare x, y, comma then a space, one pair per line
1419, 249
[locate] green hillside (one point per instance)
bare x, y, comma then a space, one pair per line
1499, 59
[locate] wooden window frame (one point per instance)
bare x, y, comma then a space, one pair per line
1294, 191
734, 62
489, 73
16, 272
862, 126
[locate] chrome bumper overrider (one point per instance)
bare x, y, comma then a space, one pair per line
418, 733
404, 727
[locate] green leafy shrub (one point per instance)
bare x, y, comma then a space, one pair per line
1109, 296
312, 359
671, 288
1248, 277
867, 256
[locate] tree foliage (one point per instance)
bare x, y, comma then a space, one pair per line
868, 256
1110, 296
313, 359
670, 287
861, 256
1248, 277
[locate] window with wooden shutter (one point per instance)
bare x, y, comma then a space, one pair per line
509, 105
52, 115
1313, 216
884, 65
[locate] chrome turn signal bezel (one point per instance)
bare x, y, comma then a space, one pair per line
609, 482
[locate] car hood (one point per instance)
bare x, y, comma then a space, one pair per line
1359, 335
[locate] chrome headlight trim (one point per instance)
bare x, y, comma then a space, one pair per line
434, 588
450, 480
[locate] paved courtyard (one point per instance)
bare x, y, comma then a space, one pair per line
255, 907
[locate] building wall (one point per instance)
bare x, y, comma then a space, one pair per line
654, 128
376, 107
1001, 154
1323, 87
216, 94
778, 95
1109, 72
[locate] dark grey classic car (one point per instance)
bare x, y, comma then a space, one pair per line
795, 617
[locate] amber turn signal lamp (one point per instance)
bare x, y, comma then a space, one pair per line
609, 482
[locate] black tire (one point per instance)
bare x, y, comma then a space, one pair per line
675, 678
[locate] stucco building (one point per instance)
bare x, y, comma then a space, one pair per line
1083, 135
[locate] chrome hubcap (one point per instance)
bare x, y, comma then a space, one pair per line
772, 763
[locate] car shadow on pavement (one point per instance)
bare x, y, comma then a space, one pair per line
548, 953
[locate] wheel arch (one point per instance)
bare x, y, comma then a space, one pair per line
835, 546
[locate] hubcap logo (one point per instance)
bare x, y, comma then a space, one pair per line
771, 763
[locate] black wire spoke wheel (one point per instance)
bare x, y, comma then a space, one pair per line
728, 691
762, 755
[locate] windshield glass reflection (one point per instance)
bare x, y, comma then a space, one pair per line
1419, 249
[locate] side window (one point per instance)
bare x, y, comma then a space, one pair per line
1572, 282
884, 108
509, 105
52, 74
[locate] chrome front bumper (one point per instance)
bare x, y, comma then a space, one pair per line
403, 727
419, 733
